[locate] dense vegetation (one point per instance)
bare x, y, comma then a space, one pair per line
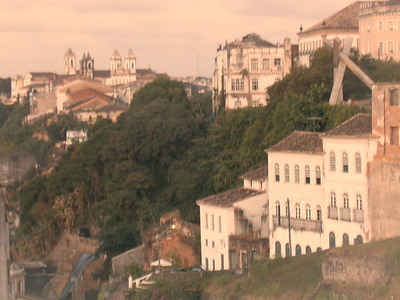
164, 152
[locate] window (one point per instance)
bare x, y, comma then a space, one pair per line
359, 202
308, 250
277, 62
278, 249
390, 47
254, 64
333, 199
287, 250
345, 200
254, 84
232, 259
358, 162
394, 97
390, 25
207, 264
332, 240
308, 212
237, 84
277, 172
213, 264
287, 209
298, 250
380, 25
345, 162
219, 224
206, 217
319, 213
255, 255
394, 136
213, 244
345, 239
278, 211
265, 63
358, 240
206, 242
222, 262
298, 216
296, 174
332, 161
286, 173
307, 174
318, 175
212, 222
380, 48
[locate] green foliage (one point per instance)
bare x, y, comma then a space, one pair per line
134, 270
57, 130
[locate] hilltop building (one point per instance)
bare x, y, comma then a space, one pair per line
379, 24
342, 24
234, 224
244, 69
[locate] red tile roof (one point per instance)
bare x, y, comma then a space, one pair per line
228, 198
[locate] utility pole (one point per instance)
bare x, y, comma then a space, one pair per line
3, 248
290, 235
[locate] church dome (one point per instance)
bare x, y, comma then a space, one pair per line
130, 55
69, 53
115, 55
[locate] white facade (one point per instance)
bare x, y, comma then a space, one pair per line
323, 178
122, 72
236, 212
245, 69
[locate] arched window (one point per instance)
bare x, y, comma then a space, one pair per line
298, 250
296, 174
277, 172
298, 211
345, 162
358, 240
308, 250
287, 250
278, 212
278, 249
72, 62
319, 213
358, 162
345, 239
307, 174
318, 175
345, 200
332, 240
308, 212
359, 202
286, 173
319, 249
332, 161
333, 199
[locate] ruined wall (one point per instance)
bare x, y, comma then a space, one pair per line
121, 262
14, 165
361, 269
384, 196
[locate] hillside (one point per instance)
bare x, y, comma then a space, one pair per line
371, 271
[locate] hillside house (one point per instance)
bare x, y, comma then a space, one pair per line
234, 224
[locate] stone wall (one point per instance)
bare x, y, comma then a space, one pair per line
384, 195
120, 262
364, 270
14, 165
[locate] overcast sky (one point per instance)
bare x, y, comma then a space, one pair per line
177, 37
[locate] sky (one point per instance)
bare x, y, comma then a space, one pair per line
177, 37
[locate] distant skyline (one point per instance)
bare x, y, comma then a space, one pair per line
176, 37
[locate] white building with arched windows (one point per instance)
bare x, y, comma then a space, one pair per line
318, 188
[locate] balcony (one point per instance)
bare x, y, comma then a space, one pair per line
358, 215
332, 212
298, 224
345, 214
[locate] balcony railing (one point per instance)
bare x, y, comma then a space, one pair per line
332, 212
345, 214
358, 215
297, 224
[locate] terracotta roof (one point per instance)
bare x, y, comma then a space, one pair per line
359, 125
86, 95
228, 198
250, 41
345, 19
69, 53
258, 174
300, 142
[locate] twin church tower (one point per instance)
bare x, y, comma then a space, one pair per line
120, 72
